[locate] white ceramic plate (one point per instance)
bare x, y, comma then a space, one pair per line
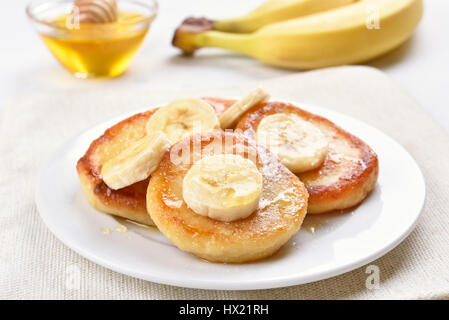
326, 246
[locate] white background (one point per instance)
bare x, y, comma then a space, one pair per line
420, 66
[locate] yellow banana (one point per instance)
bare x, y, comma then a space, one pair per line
183, 118
351, 34
231, 115
136, 162
299, 144
274, 11
224, 187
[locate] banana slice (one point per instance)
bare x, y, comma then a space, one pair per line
224, 187
300, 145
183, 118
135, 163
231, 115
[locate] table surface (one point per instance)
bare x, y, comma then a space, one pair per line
41, 267
419, 66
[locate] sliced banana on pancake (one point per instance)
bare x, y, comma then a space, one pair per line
299, 144
183, 118
135, 163
234, 112
224, 187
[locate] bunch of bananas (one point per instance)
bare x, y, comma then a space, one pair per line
308, 34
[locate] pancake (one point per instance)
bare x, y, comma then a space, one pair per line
349, 172
282, 204
128, 202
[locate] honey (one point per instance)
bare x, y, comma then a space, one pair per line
90, 51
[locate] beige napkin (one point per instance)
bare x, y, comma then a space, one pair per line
34, 264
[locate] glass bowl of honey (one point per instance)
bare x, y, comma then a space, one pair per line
92, 50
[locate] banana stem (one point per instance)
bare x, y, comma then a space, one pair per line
237, 25
225, 40
189, 42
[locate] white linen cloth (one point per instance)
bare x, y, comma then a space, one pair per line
34, 264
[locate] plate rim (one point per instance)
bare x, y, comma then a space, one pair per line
291, 280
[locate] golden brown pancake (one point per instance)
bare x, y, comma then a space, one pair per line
349, 172
282, 205
128, 202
